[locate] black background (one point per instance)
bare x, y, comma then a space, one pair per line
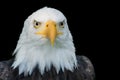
85, 19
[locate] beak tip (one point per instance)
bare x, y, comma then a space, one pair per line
52, 44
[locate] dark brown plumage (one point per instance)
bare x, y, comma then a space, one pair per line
85, 71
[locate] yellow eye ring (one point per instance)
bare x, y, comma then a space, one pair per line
36, 27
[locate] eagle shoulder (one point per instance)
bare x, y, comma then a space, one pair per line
6, 73
85, 68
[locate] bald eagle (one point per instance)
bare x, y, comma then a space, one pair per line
45, 51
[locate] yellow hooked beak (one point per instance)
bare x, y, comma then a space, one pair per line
49, 31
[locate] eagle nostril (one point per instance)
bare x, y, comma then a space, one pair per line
47, 25
55, 25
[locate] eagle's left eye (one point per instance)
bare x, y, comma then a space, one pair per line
36, 24
61, 24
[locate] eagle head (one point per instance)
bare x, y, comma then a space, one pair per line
45, 41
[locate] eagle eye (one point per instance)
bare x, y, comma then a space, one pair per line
36, 24
61, 24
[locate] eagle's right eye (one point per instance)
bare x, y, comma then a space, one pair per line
36, 24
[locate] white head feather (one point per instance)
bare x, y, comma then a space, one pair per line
33, 50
